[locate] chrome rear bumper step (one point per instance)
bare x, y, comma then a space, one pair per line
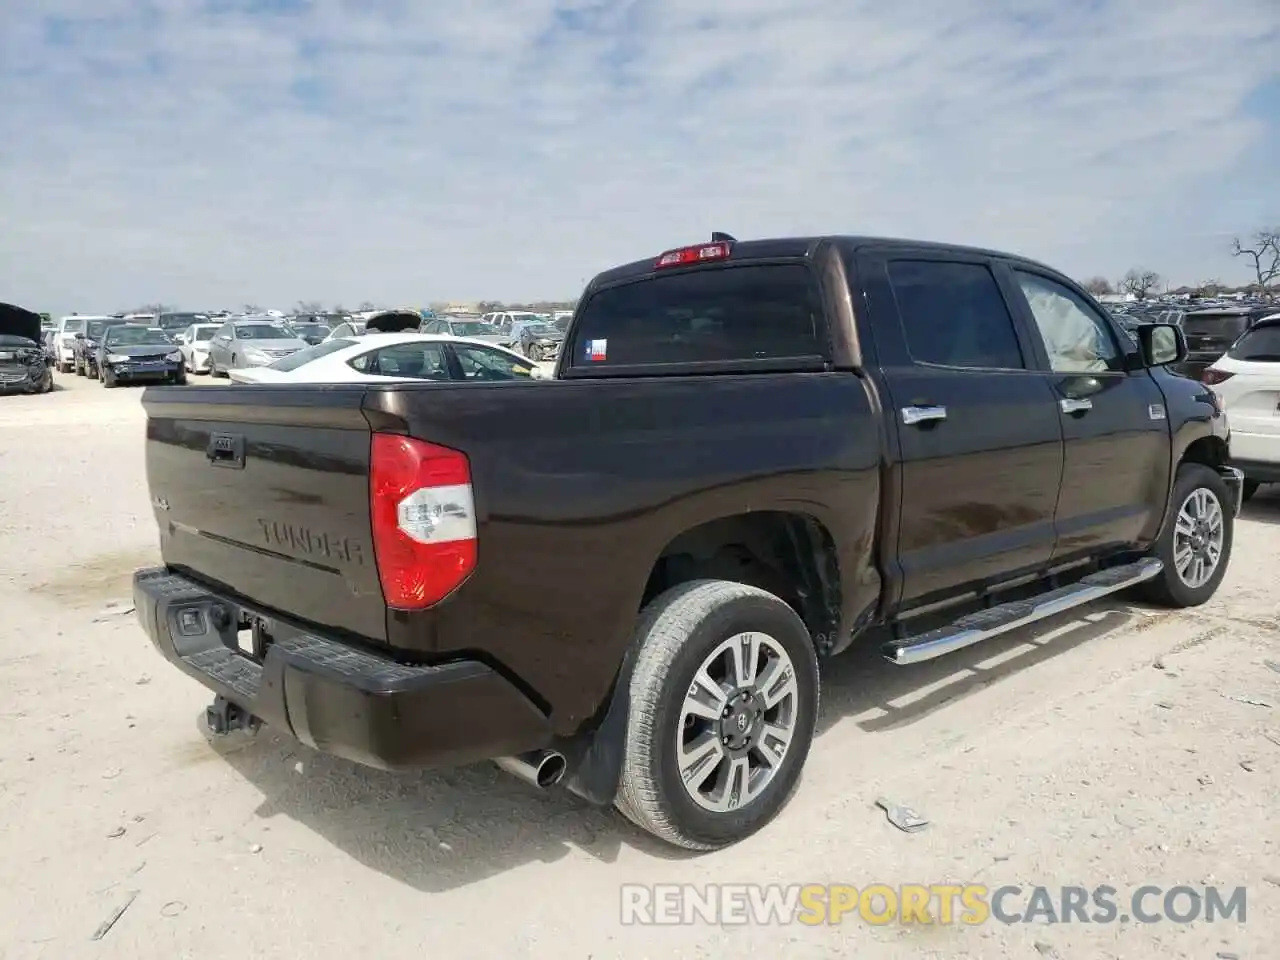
984, 624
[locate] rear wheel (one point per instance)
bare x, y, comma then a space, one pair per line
1195, 545
109, 379
724, 701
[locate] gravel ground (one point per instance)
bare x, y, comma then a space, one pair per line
1104, 748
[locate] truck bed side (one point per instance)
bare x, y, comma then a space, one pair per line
580, 485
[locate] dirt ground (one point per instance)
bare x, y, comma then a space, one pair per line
1105, 748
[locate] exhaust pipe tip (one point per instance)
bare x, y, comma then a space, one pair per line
541, 768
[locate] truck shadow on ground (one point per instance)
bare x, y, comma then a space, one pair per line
440, 830
1264, 507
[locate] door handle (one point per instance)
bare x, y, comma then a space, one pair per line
1075, 405
912, 416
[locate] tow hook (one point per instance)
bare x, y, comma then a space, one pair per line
224, 717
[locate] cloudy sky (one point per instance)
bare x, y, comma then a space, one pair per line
213, 153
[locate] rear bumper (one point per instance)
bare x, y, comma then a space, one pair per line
335, 697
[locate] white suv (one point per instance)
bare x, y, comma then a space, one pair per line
1246, 380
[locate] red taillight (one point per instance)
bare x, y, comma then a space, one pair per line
684, 256
424, 520
1210, 377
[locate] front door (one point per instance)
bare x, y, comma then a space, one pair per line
1115, 476
980, 436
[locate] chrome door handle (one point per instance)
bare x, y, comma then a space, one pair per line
915, 415
1075, 405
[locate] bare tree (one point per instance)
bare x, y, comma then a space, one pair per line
1264, 251
1140, 283
1208, 288
1099, 286
309, 306
251, 308
366, 305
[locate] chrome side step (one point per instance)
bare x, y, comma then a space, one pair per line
979, 626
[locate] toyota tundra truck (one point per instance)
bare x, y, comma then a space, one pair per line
625, 579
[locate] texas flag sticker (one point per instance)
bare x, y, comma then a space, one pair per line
597, 349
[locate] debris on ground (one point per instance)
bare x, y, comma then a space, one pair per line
113, 610
117, 832
1247, 765
1046, 949
1251, 701
173, 908
1164, 704
1205, 780
105, 927
255, 848
902, 817
1272, 665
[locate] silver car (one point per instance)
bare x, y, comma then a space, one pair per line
250, 342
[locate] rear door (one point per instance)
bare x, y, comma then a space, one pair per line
980, 434
1117, 447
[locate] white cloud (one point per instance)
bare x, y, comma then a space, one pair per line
214, 153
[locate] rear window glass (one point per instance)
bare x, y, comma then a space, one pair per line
1216, 324
1261, 345
731, 313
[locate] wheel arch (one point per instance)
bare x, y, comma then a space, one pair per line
789, 553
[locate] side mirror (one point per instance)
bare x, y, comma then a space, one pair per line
1162, 344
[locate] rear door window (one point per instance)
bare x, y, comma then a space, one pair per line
954, 315
755, 312
1259, 345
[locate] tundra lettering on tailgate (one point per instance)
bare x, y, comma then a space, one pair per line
304, 541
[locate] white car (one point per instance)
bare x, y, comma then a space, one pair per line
194, 343
380, 357
1246, 380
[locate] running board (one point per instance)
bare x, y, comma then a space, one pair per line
979, 626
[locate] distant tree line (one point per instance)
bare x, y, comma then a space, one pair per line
1261, 252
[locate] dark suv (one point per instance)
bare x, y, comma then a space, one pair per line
1210, 332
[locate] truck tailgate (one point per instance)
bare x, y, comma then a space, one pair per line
264, 493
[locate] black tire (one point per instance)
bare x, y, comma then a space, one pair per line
109, 381
78, 368
1250, 488
1169, 589
676, 632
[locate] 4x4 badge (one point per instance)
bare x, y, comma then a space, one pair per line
1156, 411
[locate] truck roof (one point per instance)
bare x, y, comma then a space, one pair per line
782, 247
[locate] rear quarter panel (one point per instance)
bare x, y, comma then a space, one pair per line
579, 486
